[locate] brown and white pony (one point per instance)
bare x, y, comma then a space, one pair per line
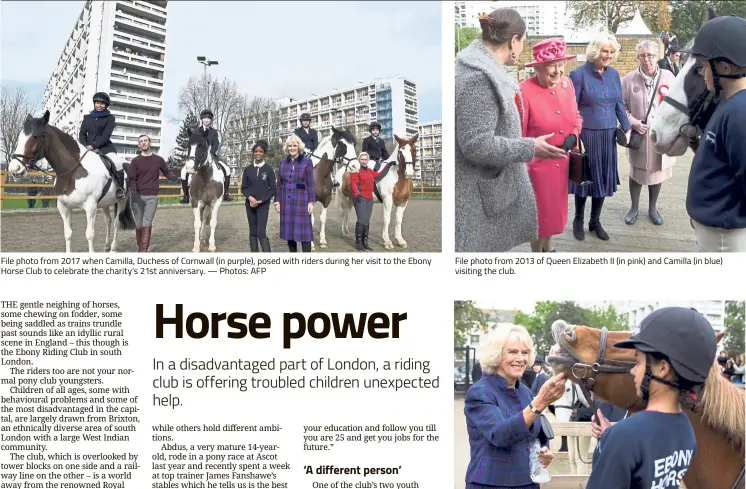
718, 423
395, 188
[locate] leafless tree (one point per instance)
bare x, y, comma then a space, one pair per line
255, 118
16, 105
224, 99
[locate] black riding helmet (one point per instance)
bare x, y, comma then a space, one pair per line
374, 125
102, 97
305, 117
206, 113
683, 336
721, 39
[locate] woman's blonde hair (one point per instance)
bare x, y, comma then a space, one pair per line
594, 47
492, 352
293, 139
363, 154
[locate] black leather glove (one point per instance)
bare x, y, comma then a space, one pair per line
569, 142
359, 198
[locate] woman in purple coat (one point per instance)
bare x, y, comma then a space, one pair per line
296, 195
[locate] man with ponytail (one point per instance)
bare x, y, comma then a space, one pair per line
675, 350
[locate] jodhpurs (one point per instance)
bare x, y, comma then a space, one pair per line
717, 240
144, 207
363, 209
257, 217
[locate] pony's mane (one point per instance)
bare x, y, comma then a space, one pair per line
722, 407
325, 140
68, 141
348, 136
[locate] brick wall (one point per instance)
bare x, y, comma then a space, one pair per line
626, 62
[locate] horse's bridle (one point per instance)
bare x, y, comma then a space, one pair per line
30, 163
587, 379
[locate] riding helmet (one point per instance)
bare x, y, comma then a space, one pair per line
721, 39
206, 113
683, 335
374, 125
102, 97
305, 116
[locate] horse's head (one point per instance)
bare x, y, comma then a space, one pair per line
31, 147
407, 156
344, 149
687, 108
199, 151
587, 355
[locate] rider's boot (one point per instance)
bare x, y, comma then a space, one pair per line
366, 228
227, 196
119, 174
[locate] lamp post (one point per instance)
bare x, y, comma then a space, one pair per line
206, 62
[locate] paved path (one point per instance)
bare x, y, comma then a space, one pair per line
675, 234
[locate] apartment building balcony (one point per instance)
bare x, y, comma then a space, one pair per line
135, 80
150, 12
138, 61
137, 120
135, 100
129, 23
139, 43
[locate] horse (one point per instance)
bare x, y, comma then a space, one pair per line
395, 189
82, 179
577, 445
206, 188
686, 108
590, 359
338, 147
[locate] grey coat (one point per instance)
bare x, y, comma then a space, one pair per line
495, 203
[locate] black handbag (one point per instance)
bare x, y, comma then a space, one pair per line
546, 432
580, 167
635, 138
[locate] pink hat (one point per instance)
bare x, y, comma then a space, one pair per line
550, 50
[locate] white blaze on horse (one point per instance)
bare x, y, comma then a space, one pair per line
82, 179
338, 147
206, 188
686, 109
394, 187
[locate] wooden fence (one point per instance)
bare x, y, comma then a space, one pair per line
169, 190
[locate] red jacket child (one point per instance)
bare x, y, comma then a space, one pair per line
365, 178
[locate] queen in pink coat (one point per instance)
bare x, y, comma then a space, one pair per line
550, 107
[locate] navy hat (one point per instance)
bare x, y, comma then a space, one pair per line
683, 335
721, 38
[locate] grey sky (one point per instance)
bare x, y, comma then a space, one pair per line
269, 48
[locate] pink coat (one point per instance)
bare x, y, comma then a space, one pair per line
550, 111
633, 90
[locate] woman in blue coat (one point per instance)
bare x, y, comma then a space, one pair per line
598, 90
296, 195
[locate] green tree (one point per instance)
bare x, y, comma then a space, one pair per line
734, 325
583, 13
687, 16
464, 36
539, 324
176, 158
466, 315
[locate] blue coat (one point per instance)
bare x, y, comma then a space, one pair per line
498, 436
599, 97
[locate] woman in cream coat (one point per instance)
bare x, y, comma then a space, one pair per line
646, 166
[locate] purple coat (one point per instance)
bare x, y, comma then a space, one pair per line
295, 189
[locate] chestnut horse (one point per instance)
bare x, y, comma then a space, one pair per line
718, 424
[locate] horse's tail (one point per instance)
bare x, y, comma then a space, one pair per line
126, 218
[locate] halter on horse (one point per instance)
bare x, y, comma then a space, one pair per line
82, 179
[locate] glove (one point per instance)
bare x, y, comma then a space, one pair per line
359, 198
569, 142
